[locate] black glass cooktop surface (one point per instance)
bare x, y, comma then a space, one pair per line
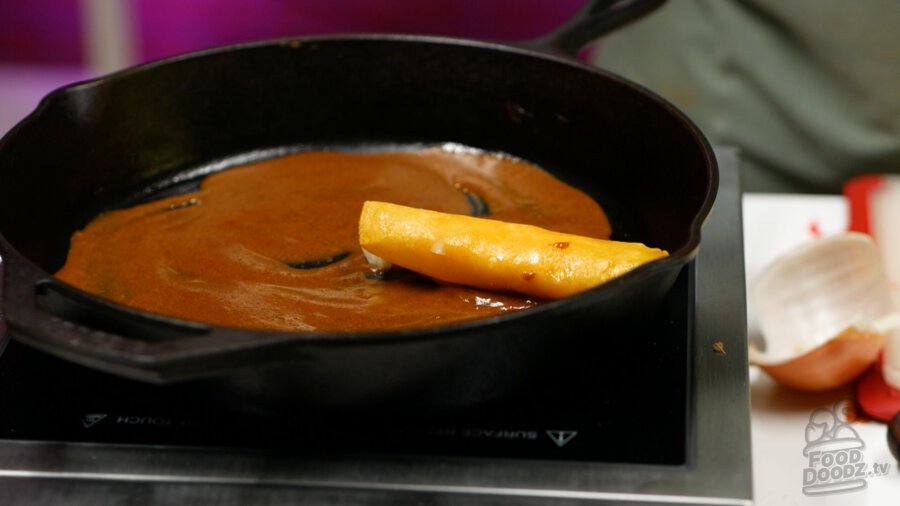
621, 398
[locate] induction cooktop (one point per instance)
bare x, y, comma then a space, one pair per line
658, 415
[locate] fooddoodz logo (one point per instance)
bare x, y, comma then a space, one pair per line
836, 462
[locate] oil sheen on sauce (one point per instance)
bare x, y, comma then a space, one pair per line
274, 245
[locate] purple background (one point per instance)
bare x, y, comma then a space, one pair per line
49, 31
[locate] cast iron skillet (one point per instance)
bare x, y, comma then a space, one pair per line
158, 128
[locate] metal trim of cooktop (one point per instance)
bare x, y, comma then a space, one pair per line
718, 469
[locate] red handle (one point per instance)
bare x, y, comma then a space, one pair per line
857, 192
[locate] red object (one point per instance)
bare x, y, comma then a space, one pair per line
876, 398
814, 229
857, 191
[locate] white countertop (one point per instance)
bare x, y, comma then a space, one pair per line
773, 224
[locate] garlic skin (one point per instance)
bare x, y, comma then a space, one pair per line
376, 263
831, 365
815, 307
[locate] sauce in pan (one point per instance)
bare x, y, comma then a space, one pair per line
273, 244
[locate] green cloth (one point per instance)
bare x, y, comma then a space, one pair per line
809, 90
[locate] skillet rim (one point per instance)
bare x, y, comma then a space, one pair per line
675, 261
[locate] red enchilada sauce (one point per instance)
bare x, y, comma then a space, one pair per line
274, 244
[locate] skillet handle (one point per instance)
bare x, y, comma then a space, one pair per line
596, 18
